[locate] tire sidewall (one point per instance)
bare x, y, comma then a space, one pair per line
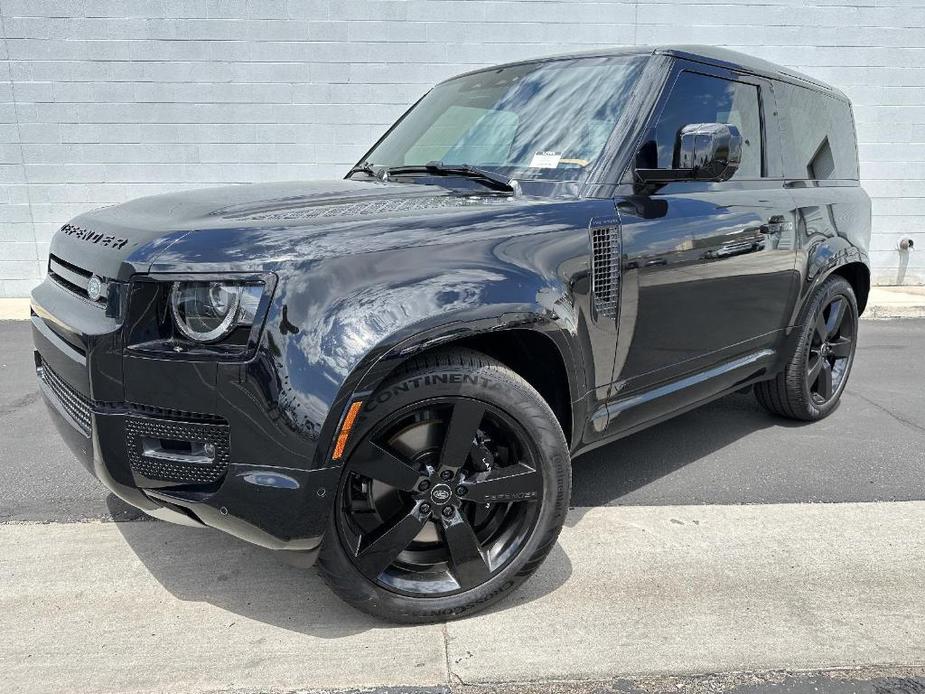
833, 286
500, 388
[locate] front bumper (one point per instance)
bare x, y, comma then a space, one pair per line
283, 505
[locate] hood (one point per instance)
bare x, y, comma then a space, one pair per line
234, 219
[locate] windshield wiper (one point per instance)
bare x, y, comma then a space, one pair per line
365, 167
490, 178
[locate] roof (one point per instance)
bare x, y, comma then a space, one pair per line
712, 55
727, 58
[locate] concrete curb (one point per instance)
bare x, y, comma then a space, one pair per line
627, 592
14, 309
896, 302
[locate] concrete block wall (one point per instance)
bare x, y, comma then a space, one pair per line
105, 100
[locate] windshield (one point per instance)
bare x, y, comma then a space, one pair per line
546, 120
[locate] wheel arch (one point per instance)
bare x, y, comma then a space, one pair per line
858, 276
835, 257
542, 357
536, 359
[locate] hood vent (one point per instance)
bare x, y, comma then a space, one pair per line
365, 208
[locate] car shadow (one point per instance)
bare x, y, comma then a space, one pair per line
253, 582
616, 474
205, 565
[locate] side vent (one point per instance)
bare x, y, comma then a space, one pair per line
606, 256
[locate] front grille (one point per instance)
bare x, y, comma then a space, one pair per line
606, 256
76, 405
75, 280
138, 429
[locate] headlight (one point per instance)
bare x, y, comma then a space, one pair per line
209, 311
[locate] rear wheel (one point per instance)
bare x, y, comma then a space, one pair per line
454, 491
815, 377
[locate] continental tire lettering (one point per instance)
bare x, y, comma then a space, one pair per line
507, 585
513, 496
406, 386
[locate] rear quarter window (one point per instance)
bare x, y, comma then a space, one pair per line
817, 134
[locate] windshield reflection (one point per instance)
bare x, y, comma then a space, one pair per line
544, 120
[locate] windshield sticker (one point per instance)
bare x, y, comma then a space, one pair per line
546, 160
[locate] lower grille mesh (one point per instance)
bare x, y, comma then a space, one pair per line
153, 424
138, 428
74, 404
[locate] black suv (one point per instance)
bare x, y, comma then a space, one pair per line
394, 370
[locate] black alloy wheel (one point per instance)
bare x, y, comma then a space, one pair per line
439, 497
455, 486
830, 350
811, 383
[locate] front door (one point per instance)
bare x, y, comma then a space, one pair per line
708, 267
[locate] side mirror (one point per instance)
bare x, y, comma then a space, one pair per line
712, 151
702, 152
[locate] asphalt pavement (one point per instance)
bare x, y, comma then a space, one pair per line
727, 452
696, 558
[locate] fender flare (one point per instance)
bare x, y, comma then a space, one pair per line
822, 261
394, 350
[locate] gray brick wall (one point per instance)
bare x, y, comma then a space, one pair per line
105, 100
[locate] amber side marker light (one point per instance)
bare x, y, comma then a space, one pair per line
345, 429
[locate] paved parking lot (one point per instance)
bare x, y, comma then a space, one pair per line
728, 452
691, 548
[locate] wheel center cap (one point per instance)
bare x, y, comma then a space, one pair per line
824, 350
441, 493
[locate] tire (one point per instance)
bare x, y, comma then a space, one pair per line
825, 347
455, 412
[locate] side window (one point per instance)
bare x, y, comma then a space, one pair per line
699, 98
817, 133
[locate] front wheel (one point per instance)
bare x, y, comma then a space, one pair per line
815, 376
453, 493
